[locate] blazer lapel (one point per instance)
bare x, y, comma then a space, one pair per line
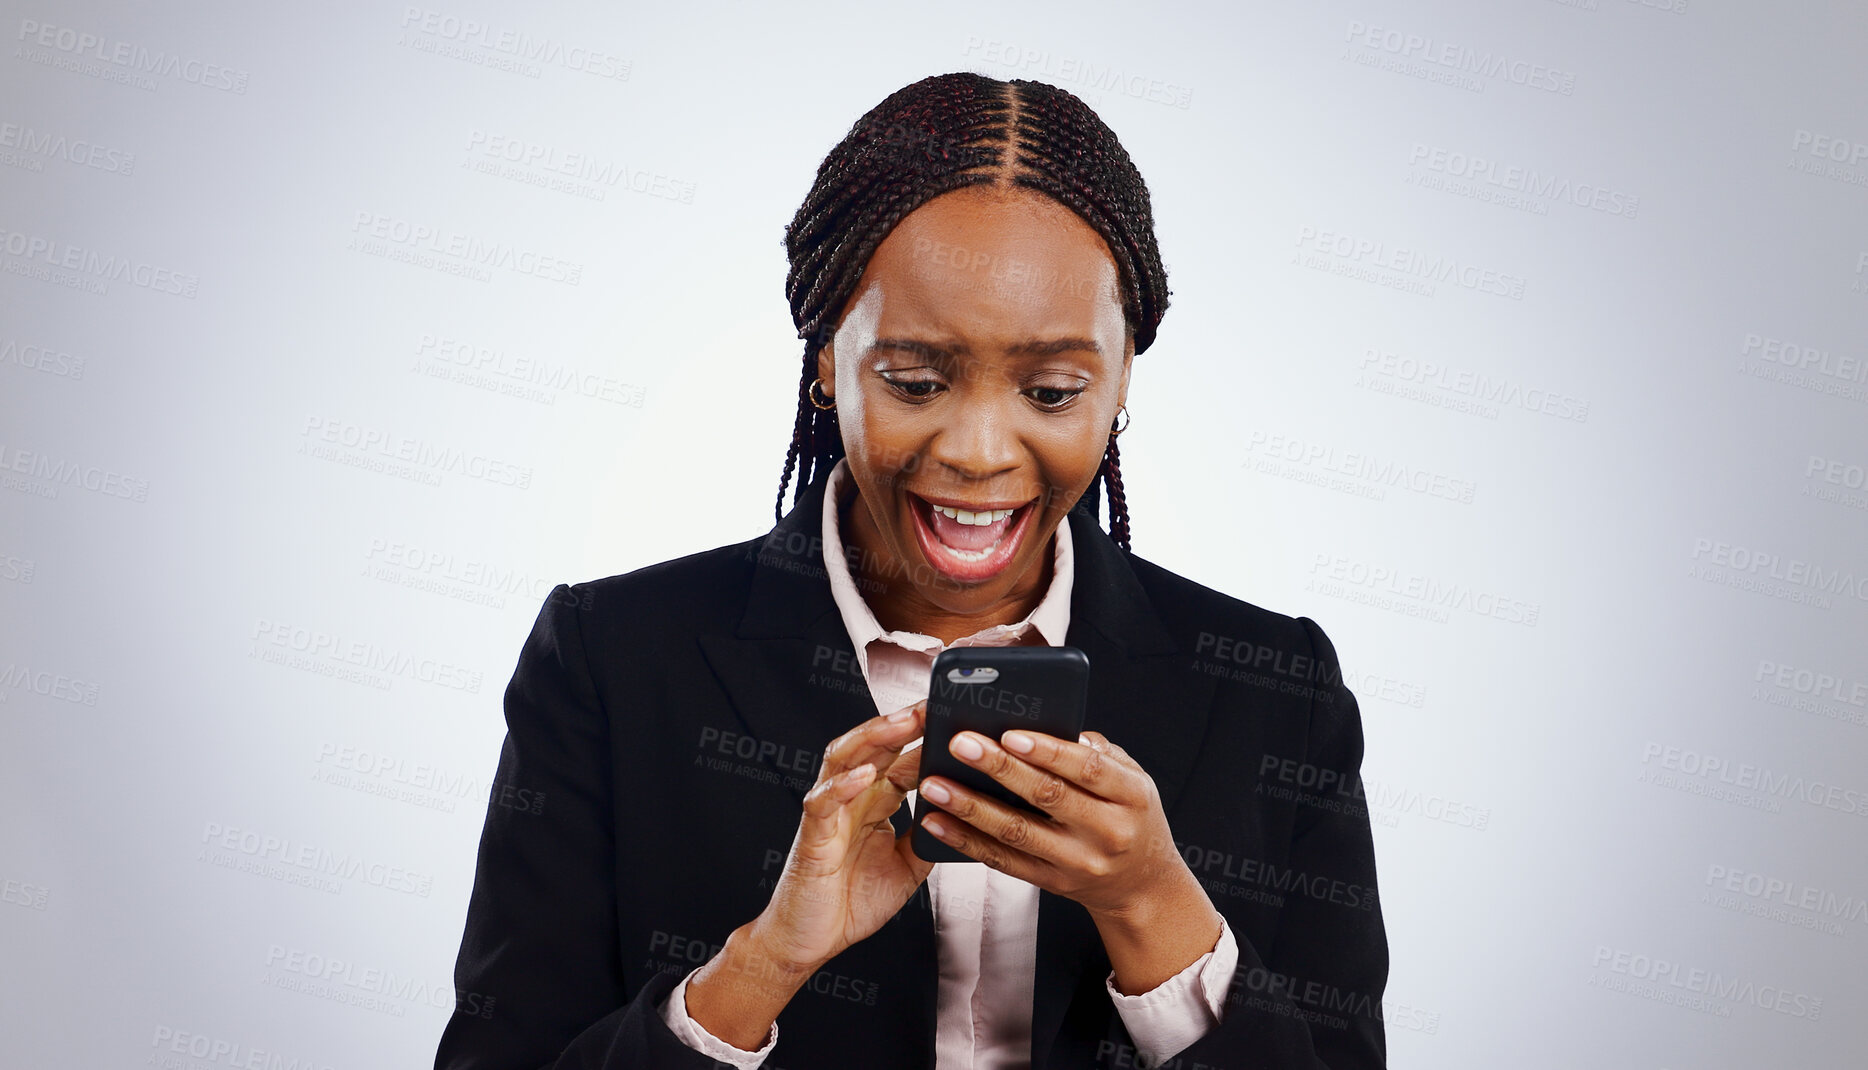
787, 665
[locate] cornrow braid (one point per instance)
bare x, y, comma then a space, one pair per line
940, 134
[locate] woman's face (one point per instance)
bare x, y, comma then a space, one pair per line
976, 369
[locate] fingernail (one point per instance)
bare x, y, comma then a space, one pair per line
1083, 739
935, 825
932, 789
967, 745
901, 716
1018, 741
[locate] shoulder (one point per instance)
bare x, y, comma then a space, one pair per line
1215, 625
669, 597
1256, 655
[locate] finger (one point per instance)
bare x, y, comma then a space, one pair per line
976, 844
1036, 835
1121, 753
830, 794
827, 827
875, 737
1042, 788
1052, 787
1093, 767
905, 771
873, 740
877, 802
838, 807
1097, 741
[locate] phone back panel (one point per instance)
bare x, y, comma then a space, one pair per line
1041, 688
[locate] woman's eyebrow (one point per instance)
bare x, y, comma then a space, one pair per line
1054, 346
1034, 348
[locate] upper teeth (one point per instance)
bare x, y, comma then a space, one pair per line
980, 519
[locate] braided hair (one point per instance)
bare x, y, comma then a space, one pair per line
941, 134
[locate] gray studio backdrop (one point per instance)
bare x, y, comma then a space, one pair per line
1519, 344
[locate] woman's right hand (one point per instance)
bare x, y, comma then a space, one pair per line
848, 873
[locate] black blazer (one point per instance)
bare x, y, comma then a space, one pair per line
663, 727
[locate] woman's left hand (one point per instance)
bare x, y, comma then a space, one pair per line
1101, 840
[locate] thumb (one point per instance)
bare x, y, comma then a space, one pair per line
918, 867
905, 771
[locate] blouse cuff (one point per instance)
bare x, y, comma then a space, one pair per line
675, 1013
1172, 1015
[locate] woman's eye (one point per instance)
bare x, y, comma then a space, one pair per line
913, 388
1053, 397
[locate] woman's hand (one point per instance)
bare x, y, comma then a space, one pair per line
846, 875
1102, 840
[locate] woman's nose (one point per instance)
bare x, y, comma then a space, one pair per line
978, 441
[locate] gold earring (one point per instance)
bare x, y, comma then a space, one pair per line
814, 390
1123, 415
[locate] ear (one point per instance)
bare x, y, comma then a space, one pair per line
827, 368
1128, 364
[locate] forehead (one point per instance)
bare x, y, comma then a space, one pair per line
987, 261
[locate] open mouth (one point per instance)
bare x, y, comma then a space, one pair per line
969, 545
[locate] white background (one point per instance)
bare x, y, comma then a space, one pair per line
1660, 428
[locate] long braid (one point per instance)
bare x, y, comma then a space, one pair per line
1111, 471
937, 135
800, 432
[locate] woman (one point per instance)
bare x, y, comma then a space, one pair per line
717, 871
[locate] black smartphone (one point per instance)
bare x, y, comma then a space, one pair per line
990, 690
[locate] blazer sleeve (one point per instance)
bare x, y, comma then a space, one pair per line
539, 978
1311, 1000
